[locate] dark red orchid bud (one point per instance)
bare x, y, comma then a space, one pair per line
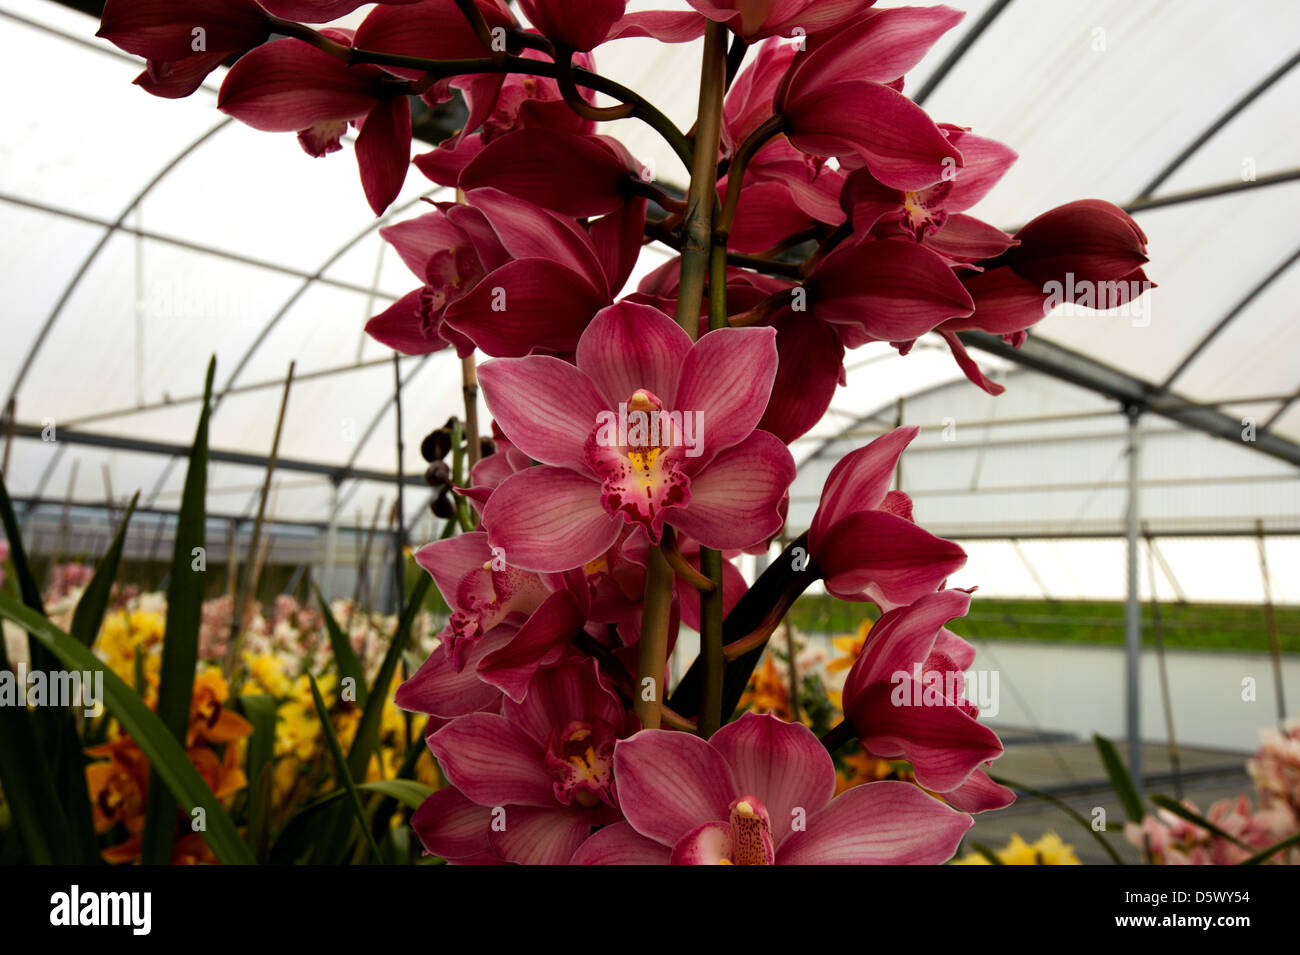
1093, 240
437, 475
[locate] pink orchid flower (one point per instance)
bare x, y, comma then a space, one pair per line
721, 483
933, 215
548, 762
291, 86
506, 623
904, 697
863, 538
506, 276
436, 30
759, 793
885, 291
559, 276
451, 250
1064, 254
840, 97
571, 173
164, 33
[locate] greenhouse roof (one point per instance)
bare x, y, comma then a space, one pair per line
145, 235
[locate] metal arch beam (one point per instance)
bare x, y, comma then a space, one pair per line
1078, 369
1282, 409
366, 435
1211, 192
264, 385
185, 244
111, 442
1227, 319
952, 59
99, 247
1209, 132
302, 290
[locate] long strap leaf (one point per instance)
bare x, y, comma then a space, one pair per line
89, 615
345, 658
26, 766
1178, 809
1066, 808
164, 753
185, 586
1122, 782
341, 771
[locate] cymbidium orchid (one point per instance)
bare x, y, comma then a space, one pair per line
547, 762
863, 539
759, 793
900, 699
640, 437
290, 86
695, 463
839, 98
183, 40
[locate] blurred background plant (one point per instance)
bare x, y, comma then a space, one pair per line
274, 738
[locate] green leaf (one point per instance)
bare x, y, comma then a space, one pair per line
986, 852
164, 753
28, 766
259, 710
1066, 808
1120, 780
89, 615
408, 792
367, 736
28, 587
341, 771
345, 657
1178, 809
180, 652
1266, 854
366, 739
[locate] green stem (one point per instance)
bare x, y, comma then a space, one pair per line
711, 603
652, 651
736, 171
697, 229
640, 108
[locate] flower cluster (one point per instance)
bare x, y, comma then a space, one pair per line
118, 779
1169, 839
641, 437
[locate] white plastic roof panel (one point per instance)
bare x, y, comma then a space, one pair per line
226, 252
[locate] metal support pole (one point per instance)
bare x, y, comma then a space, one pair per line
1133, 610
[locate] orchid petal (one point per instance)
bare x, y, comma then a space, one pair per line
736, 501
493, 762
549, 519
782, 763
620, 844
629, 347
883, 823
546, 407
668, 782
